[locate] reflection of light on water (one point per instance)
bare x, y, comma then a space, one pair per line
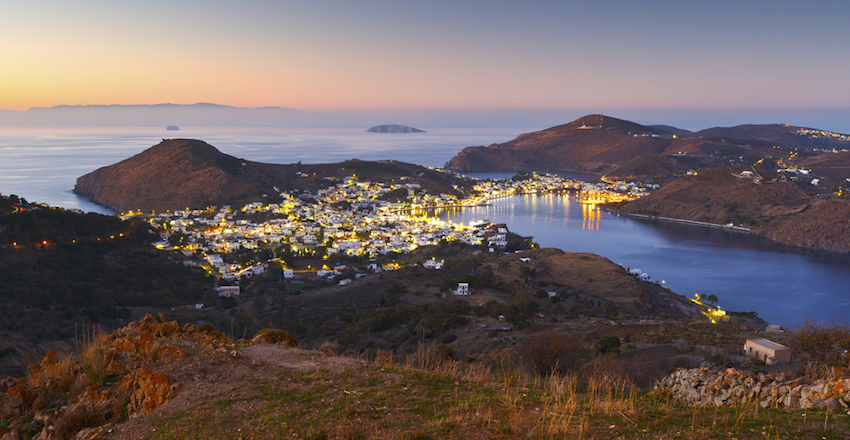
590, 214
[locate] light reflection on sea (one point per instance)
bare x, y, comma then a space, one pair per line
747, 273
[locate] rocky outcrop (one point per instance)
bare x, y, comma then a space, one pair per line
114, 377
712, 386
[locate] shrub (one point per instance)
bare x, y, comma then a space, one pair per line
275, 336
822, 343
608, 344
549, 353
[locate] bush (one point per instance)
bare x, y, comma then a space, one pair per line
608, 344
275, 336
822, 343
549, 353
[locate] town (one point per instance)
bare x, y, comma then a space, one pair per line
354, 218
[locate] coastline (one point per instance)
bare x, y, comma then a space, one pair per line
685, 221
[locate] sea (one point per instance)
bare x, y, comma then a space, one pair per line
782, 284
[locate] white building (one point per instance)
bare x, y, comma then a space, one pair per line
228, 291
768, 351
462, 289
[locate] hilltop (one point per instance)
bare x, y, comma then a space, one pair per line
394, 129
624, 149
180, 173
591, 143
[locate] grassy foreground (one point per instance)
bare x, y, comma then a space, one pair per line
154, 380
429, 398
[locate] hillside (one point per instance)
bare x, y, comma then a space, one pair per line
785, 211
612, 146
623, 149
832, 165
156, 379
180, 173
590, 143
60, 270
786, 136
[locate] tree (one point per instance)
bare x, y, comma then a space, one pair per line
711, 298
527, 272
608, 344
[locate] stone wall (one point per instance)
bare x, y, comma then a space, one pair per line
715, 386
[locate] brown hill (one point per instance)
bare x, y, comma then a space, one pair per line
834, 165
609, 145
181, 173
591, 143
783, 211
787, 136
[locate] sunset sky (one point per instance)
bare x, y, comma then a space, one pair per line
368, 55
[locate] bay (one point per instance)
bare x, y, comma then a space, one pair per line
747, 273
784, 285
42, 164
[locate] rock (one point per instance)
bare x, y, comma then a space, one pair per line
149, 390
830, 404
21, 398
275, 336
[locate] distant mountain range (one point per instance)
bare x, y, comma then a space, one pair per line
625, 149
211, 115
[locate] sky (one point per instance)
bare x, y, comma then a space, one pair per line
367, 55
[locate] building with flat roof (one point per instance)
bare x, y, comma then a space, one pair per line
768, 351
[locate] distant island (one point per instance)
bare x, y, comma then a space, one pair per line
172, 128
392, 128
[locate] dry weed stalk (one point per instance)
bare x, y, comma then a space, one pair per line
430, 358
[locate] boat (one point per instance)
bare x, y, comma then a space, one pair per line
479, 223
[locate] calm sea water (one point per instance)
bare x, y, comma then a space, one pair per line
42, 165
746, 273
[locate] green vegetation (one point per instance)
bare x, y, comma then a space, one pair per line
59, 268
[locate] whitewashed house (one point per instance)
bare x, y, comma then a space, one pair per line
767, 351
462, 289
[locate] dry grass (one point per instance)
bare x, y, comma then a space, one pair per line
429, 357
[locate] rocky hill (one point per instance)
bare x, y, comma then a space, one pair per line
786, 136
786, 211
393, 128
834, 165
625, 149
180, 173
612, 146
590, 143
